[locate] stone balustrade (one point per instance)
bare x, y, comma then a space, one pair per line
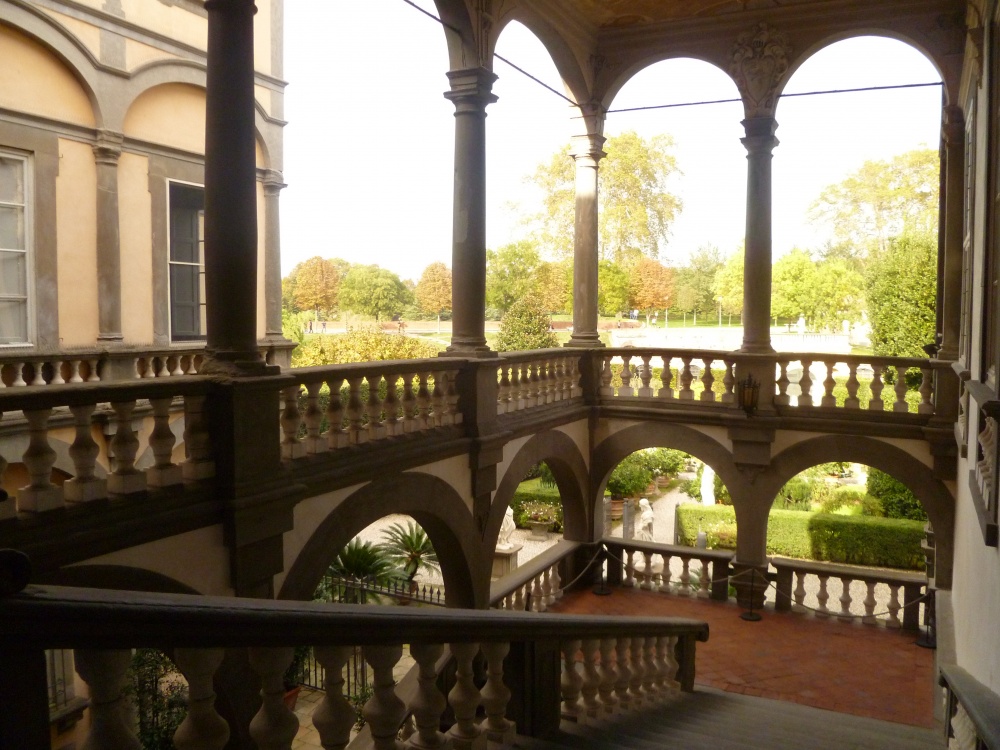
608, 664
854, 584
532, 379
335, 407
120, 406
647, 565
984, 407
972, 710
675, 374
536, 585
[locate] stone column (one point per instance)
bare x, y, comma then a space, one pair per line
953, 202
273, 186
587, 152
471, 94
230, 190
759, 142
107, 150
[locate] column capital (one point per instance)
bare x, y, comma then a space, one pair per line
588, 147
108, 147
953, 125
759, 134
225, 6
471, 89
273, 182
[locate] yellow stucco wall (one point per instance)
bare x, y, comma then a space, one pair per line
172, 114
172, 21
89, 35
32, 80
262, 37
138, 54
76, 228
136, 231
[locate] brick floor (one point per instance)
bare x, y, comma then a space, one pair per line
840, 666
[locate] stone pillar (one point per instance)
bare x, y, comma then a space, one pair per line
953, 202
273, 186
471, 93
230, 190
107, 150
587, 151
759, 142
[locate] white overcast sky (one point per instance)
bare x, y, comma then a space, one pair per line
369, 141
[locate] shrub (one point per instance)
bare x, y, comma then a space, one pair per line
525, 503
630, 477
897, 501
795, 495
362, 344
525, 326
842, 497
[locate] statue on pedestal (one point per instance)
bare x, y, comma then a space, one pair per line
506, 529
645, 521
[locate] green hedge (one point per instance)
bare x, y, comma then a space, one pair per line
524, 500
855, 540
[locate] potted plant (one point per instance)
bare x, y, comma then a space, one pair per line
629, 478
539, 519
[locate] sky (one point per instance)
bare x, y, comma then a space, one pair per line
369, 143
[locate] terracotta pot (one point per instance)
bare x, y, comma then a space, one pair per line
617, 503
291, 697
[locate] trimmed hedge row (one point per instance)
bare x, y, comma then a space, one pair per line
855, 540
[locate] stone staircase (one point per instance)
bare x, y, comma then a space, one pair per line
714, 720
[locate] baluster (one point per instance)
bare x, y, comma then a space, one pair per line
291, 446
869, 618
334, 717
829, 400
503, 389
556, 581
274, 726
900, 405
591, 678
410, 409
852, 401
926, 391
384, 711
729, 382
606, 391
516, 402
428, 704
624, 673
629, 568
805, 383
781, 398
651, 673
144, 367
685, 579
74, 371
84, 486
560, 382
495, 695
519, 599
437, 400
704, 581
94, 376
609, 677
336, 437
669, 646
626, 391
685, 376
845, 598
104, 673
800, 589
373, 408
197, 441
576, 389
355, 411
508, 602
202, 728
164, 472
647, 571
535, 394
39, 377
392, 425
547, 589
666, 380
313, 418
18, 374
665, 575
178, 366
57, 376
876, 403
571, 681
707, 381
537, 597
645, 376
894, 607
546, 378
163, 371
124, 478
464, 698
638, 667
424, 404
822, 596
452, 398
39, 458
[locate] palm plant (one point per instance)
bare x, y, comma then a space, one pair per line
362, 561
410, 549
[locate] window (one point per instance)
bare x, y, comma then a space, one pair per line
187, 262
14, 249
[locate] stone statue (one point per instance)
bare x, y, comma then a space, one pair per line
645, 521
708, 486
506, 529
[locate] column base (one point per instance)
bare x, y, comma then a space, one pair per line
251, 365
750, 582
475, 351
39, 500
585, 341
757, 348
84, 491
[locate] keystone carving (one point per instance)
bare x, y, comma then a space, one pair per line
760, 59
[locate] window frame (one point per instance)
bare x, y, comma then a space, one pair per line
26, 159
184, 339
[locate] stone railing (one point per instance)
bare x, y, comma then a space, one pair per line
579, 667
354, 404
972, 711
17, 371
530, 379
648, 566
674, 374
537, 584
120, 403
855, 584
983, 479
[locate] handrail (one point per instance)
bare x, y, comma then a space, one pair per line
980, 703
855, 573
525, 573
65, 617
316, 373
674, 550
35, 397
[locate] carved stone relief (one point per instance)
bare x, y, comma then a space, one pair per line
759, 60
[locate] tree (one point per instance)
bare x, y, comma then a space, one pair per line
314, 284
433, 291
635, 207
838, 294
695, 284
362, 561
525, 326
630, 477
901, 291
793, 286
409, 548
728, 284
511, 274
881, 200
651, 286
554, 282
362, 344
370, 290
612, 288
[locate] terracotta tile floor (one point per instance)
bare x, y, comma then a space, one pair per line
846, 667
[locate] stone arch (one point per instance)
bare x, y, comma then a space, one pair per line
115, 577
564, 458
630, 71
460, 34
560, 53
70, 51
435, 505
932, 493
